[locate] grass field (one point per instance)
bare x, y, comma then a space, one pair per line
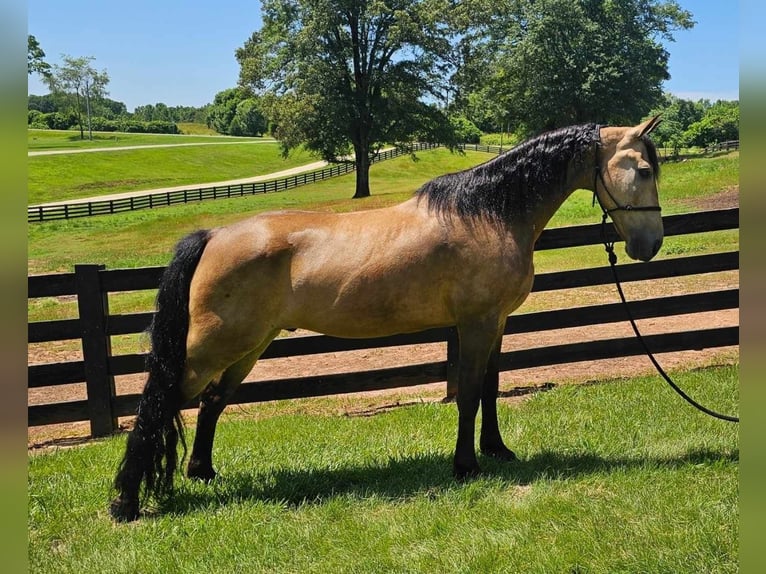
613, 477
73, 176
145, 237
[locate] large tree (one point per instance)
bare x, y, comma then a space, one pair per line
80, 84
552, 63
351, 75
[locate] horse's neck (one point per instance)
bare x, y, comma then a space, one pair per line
578, 177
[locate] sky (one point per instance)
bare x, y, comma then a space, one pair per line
182, 52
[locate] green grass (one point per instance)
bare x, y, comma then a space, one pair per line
38, 140
73, 176
615, 477
504, 139
189, 128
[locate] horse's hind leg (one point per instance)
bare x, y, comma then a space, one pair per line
212, 402
490, 441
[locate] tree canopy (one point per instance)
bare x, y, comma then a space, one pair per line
540, 65
686, 123
351, 75
36, 58
236, 112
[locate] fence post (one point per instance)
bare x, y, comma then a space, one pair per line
453, 356
93, 309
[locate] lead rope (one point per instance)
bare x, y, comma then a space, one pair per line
609, 246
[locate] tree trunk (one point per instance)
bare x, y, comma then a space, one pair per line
362, 159
79, 116
87, 108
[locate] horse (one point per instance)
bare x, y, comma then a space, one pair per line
457, 253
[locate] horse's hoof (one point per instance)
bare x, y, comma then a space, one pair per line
500, 453
462, 473
199, 472
124, 510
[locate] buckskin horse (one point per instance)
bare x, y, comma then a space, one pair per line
459, 252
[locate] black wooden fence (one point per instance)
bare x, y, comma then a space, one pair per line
48, 212
95, 326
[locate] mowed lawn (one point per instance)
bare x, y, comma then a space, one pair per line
77, 175
619, 476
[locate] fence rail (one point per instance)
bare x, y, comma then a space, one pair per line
54, 212
722, 146
95, 326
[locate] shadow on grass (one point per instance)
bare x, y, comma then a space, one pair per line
421, 476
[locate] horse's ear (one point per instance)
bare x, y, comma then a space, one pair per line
644, 128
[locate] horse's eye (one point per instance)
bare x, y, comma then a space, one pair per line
645, 172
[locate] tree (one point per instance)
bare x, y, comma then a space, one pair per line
80, 83
677, 115
248, 119
46, 104
35, 62
720, 123
558, 62
221, 113
343, 75
686, 123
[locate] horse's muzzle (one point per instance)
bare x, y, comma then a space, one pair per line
643, 250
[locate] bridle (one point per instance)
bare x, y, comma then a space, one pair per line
609, 247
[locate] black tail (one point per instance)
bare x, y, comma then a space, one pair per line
151, 455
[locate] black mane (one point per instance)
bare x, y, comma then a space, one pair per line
512, 184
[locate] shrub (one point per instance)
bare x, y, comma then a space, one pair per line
35, 117
465, 130
161, 127
59, 121
101, 124
153, 127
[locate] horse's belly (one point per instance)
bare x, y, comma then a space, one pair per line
375, 311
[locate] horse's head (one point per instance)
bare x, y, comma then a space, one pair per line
626, 186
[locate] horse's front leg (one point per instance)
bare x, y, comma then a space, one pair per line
476, 344
490, 441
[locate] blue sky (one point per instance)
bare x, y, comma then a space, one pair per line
182, 52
